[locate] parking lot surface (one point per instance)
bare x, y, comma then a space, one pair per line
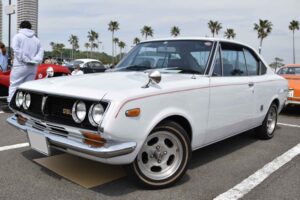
213, 171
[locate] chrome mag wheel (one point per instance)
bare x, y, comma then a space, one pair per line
160, 156
163, 158
271, 120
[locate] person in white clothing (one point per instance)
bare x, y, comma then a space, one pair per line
77, 71
3, 58
28, 53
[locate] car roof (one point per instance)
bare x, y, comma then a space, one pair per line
198, 38
292, 65
87, 60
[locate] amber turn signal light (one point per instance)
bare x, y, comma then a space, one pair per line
95, 140
135, 112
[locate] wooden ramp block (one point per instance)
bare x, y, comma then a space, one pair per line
81, 171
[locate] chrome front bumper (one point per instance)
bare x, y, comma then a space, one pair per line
289, 102
112, 148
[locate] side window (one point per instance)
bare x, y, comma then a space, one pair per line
97, 65
252, 63
233, 58
218, 65
263, 68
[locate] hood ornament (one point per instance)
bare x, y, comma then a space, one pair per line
154, 77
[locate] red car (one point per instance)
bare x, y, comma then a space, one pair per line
44, 71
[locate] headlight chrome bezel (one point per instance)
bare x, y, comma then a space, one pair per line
79, 106
92, 112
19, 99
26, 101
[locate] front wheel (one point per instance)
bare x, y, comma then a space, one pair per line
164, 157
266, 130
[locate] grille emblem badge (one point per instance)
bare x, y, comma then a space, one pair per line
67, 111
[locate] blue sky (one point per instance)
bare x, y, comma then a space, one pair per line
58, 19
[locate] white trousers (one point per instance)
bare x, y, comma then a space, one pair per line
19, 75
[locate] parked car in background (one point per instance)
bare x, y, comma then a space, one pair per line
88, 65
44, 71
291, 72
152, 116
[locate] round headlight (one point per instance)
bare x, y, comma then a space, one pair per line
19, 99
27, 101
96, 114
50, 72
79, 111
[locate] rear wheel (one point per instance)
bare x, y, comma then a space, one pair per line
164, 157
266, 130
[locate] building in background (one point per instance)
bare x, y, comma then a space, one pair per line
1, 16
28, 10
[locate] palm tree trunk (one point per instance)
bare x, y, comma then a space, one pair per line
112, 53
294, 58
260, 45
72, 52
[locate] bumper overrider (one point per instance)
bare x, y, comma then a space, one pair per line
71, 140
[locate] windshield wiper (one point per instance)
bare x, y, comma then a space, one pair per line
134, 68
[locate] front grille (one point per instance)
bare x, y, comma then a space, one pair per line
54, 110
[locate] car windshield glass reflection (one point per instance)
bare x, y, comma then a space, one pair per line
180, 56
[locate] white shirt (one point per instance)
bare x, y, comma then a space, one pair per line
77, 72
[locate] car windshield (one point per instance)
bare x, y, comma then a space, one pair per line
289, 71
178, 56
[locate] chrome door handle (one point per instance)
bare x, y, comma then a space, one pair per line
250, 84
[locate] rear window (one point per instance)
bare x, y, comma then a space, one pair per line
290, 71
77, 62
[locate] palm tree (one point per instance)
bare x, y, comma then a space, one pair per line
113, 26
136, 40
214, 27
116, 42
93, 38
87, 46
147, 31
73, 40
294, 25
175, 31
121, 46
229, 33
263, 28
57, 48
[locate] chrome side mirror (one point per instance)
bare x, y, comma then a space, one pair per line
154, 77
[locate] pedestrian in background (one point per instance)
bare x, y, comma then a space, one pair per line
77, 70
3, 58
28, 53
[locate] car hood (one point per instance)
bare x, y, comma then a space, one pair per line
112, 85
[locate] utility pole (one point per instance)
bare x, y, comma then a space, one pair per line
10, 9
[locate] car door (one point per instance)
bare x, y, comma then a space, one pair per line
88, 68
98, 67
231, 94
262, 93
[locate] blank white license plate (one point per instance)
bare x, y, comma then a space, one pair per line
38, 142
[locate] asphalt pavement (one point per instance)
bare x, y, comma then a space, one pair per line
214, 170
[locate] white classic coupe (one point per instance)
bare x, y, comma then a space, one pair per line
165, 99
